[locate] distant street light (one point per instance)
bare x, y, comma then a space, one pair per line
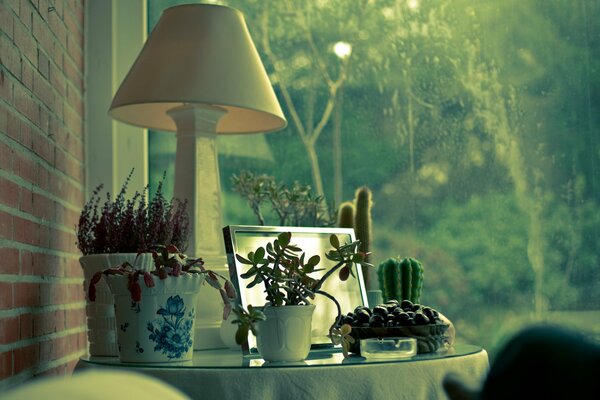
342, 50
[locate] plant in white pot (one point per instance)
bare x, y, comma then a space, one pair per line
283, 328
112, 232
155, 310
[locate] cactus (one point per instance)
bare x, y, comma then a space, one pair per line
362, 225
401, 280
346, 215
390, 280
416, 270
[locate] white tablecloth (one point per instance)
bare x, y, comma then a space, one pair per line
411, 380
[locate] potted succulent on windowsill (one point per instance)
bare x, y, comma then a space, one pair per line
155, 310
285, 271
112, 233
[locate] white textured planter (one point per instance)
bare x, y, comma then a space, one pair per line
102, 334
286, 334
159, 328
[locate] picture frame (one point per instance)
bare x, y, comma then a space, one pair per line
242, 239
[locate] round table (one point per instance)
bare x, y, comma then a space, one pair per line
228, 374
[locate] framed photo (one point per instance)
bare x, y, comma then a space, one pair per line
242, 239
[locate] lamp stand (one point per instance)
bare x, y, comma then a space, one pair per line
197, 180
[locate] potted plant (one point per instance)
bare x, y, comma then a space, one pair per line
112, 233
155, 310
283, 328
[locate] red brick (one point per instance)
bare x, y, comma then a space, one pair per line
57, 76
43, 147
10, 261
25, 326
72, 73
6, 20
44, 177
6, 296
6, 361
6, 225
24, 231
54, 294
48, 322
74, 318
24, 103
13, 127
43, 207
6, 161
73, 121
9, 330
25, 358
9, 193
25, 13
46, 265
10, 56
27, 72
25, 168
25, 42
6, 87
41, 33
42, 89
26, 294
25, 199
42, 237
26, 263
43, 64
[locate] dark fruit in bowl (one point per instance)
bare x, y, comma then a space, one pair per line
406, 319
406, 305
380, 310
421, 319
362, 316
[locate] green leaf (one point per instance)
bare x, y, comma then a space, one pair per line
335, 241
284, 238
241, 336
259, 255
243, 260
314, 261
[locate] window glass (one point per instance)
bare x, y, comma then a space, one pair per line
475, 123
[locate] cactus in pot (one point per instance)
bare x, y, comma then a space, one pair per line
401, 279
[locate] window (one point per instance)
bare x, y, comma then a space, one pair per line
474, 123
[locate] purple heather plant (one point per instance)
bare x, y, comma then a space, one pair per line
126, 226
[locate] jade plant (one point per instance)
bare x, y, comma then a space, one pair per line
285, 272
169, 262
401, 279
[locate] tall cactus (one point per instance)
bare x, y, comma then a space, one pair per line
401, 280
362, 225
346, 215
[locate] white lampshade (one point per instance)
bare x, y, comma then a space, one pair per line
199, 54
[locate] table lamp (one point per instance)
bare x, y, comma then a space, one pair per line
199, 75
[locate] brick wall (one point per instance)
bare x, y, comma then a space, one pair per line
42, 309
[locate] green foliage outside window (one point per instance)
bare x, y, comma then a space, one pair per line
474, 122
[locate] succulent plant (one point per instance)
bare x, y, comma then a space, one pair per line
284, 270
168, 262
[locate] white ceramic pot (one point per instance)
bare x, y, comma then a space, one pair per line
286, 334
102, 334
160, 327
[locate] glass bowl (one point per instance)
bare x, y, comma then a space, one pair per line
389, 348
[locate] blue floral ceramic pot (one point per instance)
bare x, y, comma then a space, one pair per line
160, 327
